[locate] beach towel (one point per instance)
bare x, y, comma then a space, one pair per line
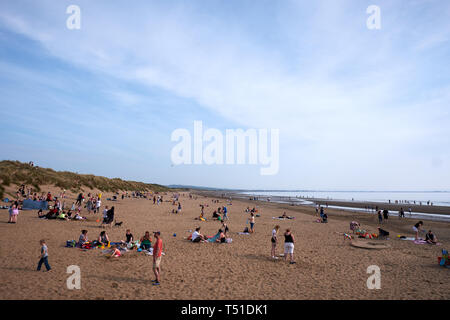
213, 239
246, 233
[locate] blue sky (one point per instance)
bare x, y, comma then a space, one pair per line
356, 108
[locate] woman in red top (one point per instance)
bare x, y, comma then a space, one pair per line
157, 251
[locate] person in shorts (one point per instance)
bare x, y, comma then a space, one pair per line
289, 246
157, 252
417, 229
274, 241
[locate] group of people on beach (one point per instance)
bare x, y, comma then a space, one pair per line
288, 244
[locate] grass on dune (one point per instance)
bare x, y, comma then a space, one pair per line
18, 173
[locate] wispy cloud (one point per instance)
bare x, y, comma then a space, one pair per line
326, 80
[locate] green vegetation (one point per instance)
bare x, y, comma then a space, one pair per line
15, 172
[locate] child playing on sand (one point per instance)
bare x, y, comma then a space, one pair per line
43, 257
274, 241
115, 252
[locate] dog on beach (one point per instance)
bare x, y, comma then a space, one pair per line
118, 224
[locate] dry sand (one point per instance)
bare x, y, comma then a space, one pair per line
327, 267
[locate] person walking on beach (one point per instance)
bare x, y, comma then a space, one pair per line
401, 213
385, 214
274, 241
225, 213
43, 257
380, 217
289, 246
252, 222
157, 252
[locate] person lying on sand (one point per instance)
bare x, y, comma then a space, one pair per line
285, 216
430, 237
198, 237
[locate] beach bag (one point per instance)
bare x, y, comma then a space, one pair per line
71, 243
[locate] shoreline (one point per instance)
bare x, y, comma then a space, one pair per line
435, 213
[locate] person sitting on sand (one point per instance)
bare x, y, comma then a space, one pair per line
221, 238
103, 238
83, 238
115, 252
324, 218
62, 216
52, 214
225, 228
128, 236
430, 237
146, 241
197, 236
215, 215
417, 229
41, 215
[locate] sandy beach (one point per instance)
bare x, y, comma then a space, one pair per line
327, 266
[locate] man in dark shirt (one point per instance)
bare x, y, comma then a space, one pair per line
430, 238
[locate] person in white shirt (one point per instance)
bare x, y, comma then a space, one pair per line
197, 236
99, 204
